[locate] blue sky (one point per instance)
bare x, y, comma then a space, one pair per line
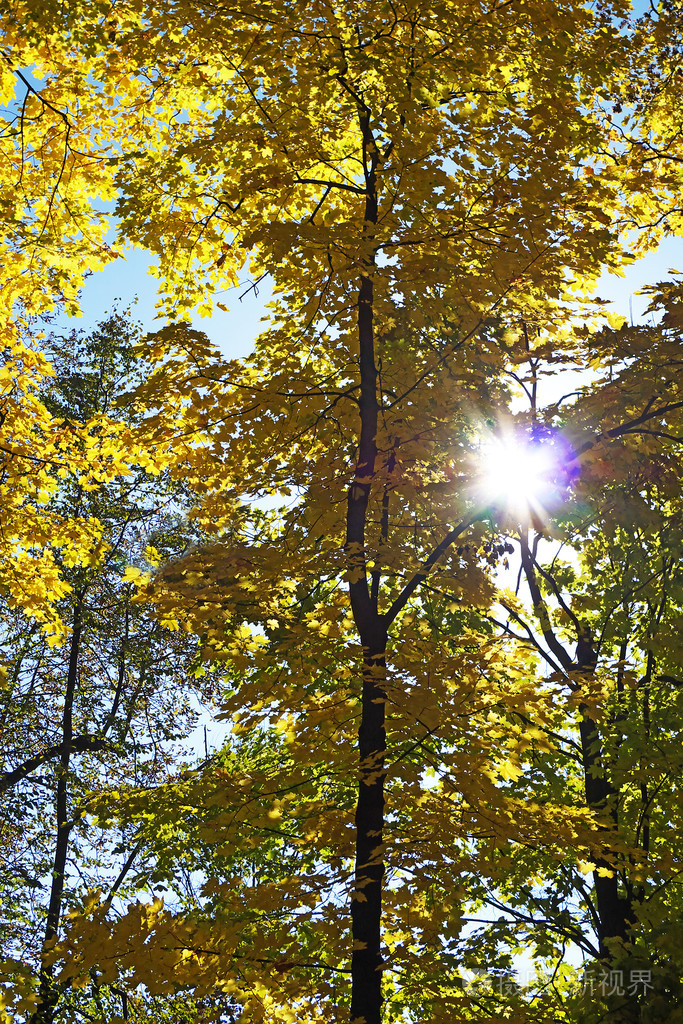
654, 267
126, 280
233, 332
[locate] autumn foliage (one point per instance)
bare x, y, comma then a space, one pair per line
449, 715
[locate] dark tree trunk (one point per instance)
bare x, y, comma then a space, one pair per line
48, 992
366, 905
614, 911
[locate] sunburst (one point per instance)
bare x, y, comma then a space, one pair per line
520, 475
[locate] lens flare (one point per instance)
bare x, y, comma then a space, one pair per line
523, 476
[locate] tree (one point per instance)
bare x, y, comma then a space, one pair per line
52, 237
617, 600
592, 750
415, 179
107, 706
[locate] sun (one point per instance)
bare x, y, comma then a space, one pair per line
516, 474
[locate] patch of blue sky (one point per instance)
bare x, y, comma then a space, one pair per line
126, 281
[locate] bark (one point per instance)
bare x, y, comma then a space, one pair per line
79, 745
366, 903
613, 912
366, 906
48, 992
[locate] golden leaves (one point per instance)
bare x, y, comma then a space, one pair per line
466, 130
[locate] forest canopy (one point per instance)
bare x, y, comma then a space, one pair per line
418, 553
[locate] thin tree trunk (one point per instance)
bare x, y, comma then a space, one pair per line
44, 1013
614, 912
366, 904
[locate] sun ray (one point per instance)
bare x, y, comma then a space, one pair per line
520, 475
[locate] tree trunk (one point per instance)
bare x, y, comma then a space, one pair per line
366, 904
45, 1010
614, 912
